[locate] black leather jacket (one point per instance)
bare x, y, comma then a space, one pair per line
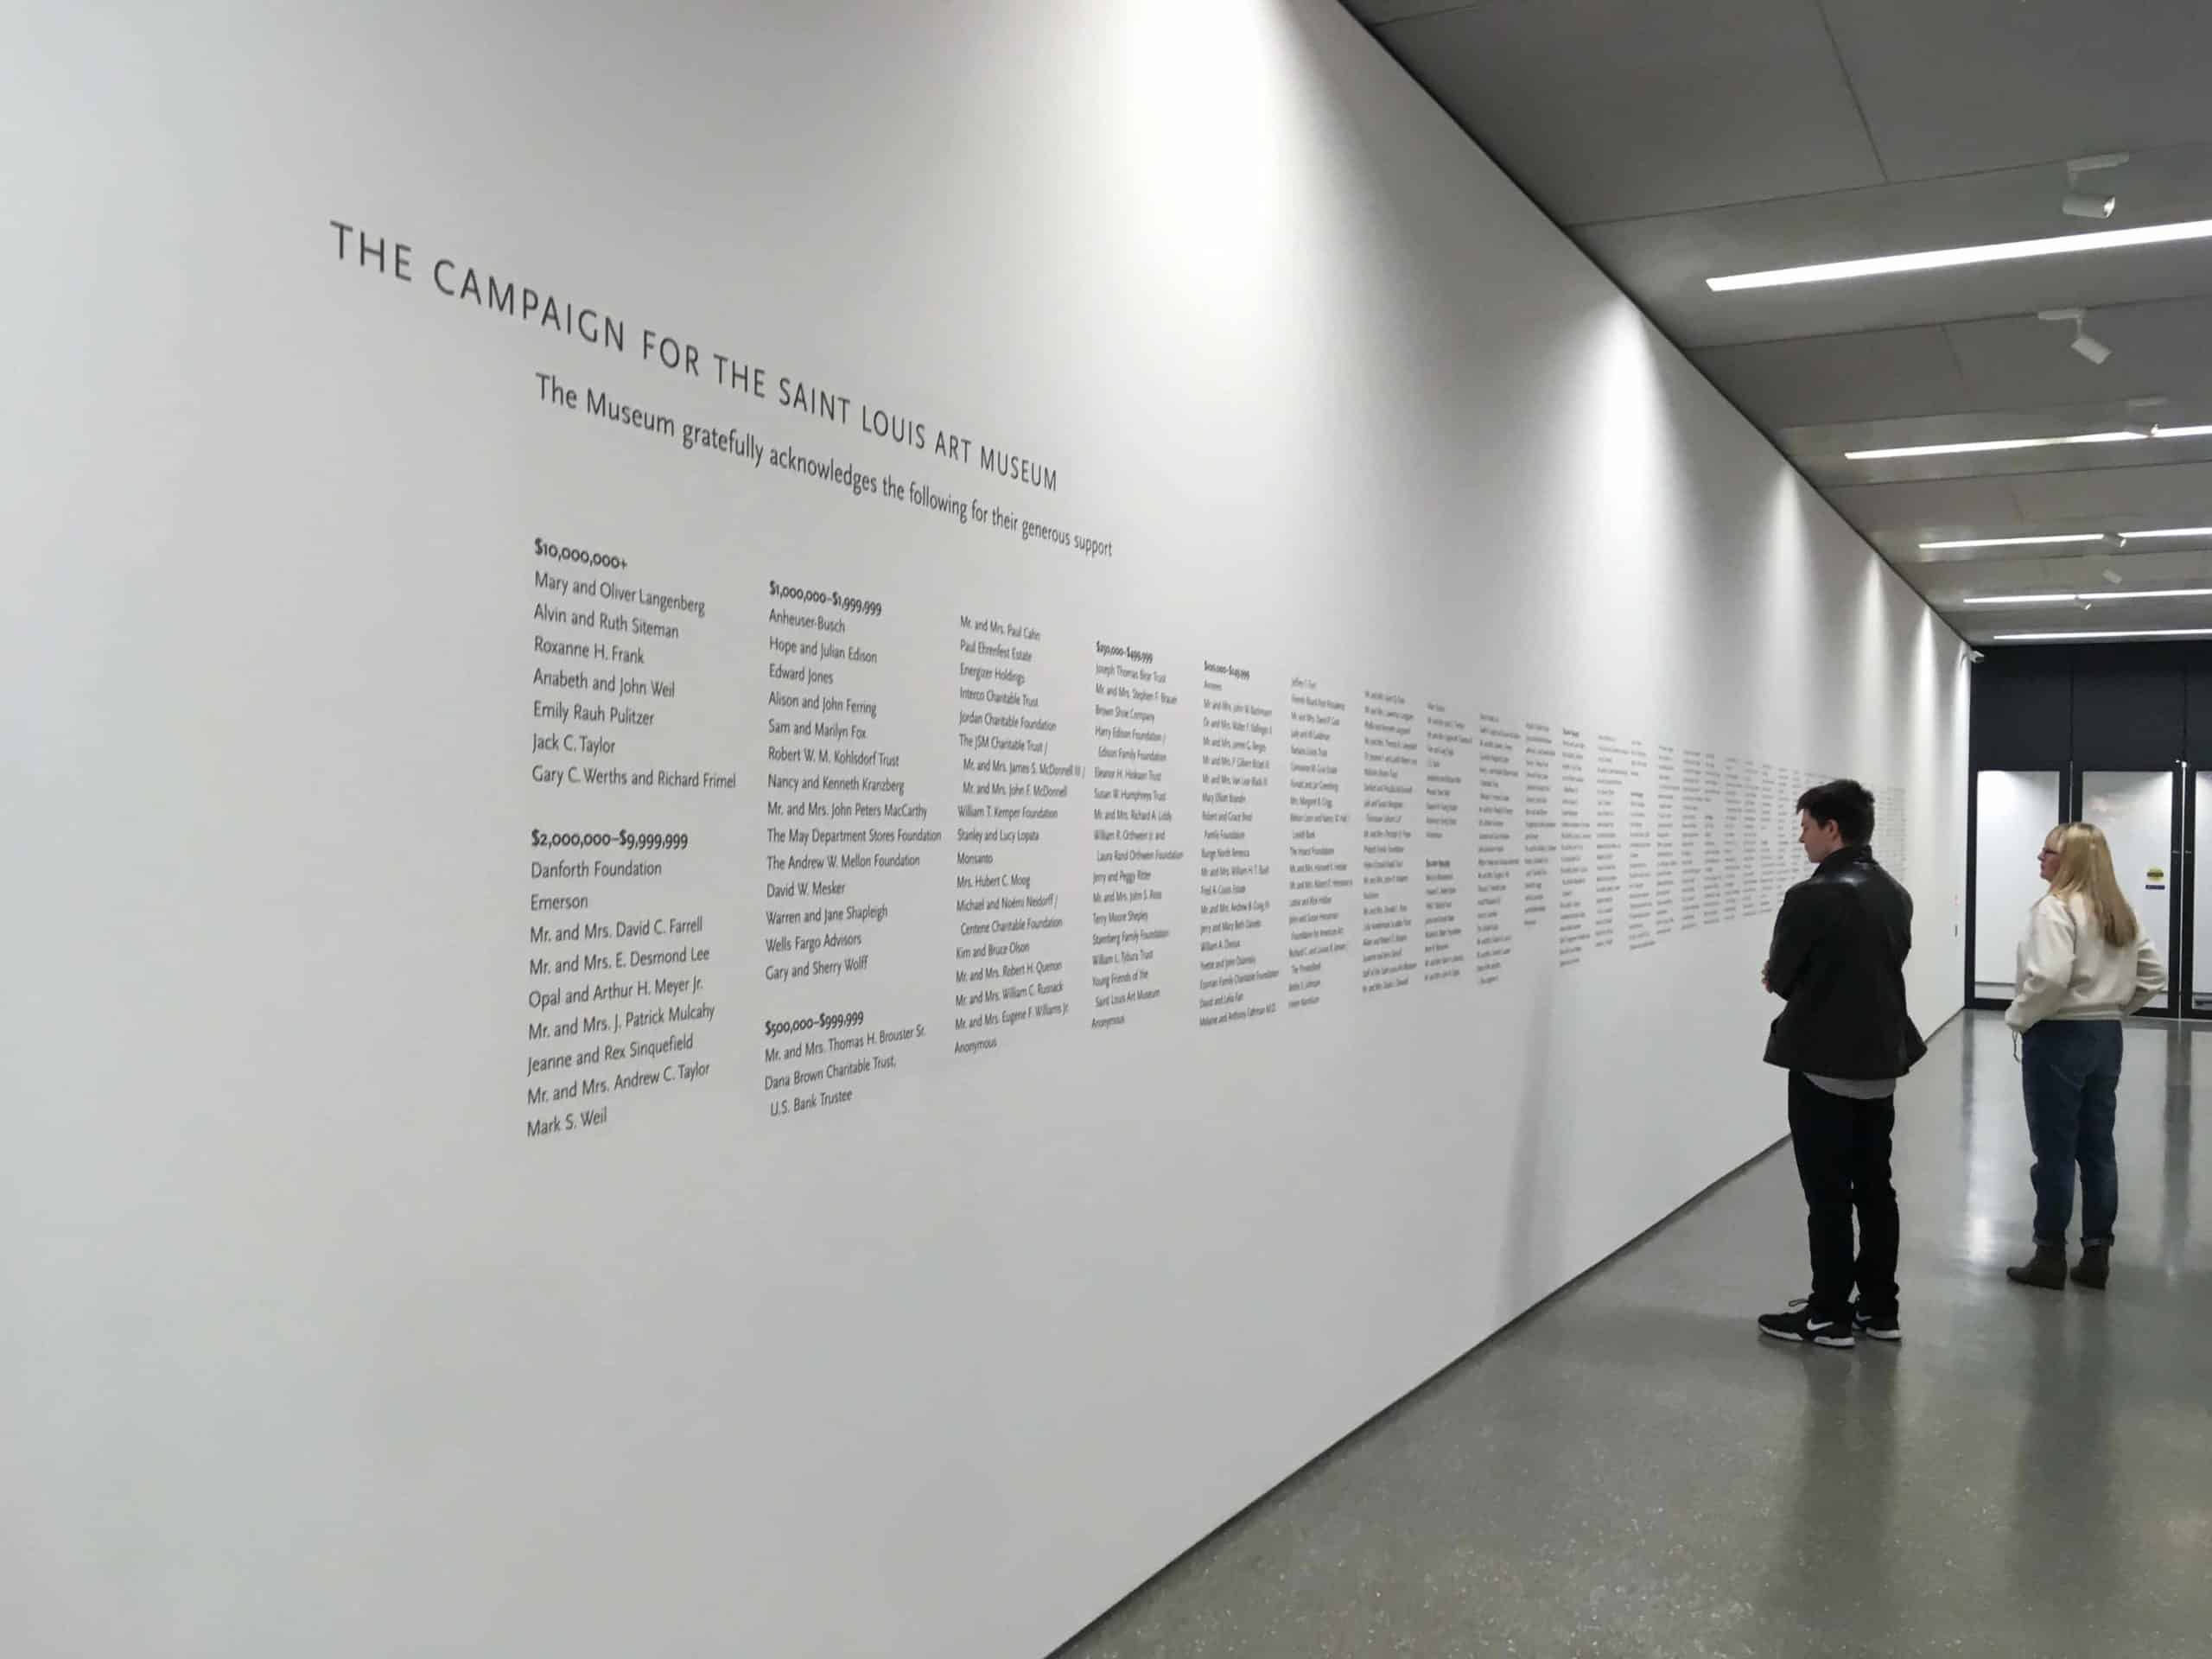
1838, 960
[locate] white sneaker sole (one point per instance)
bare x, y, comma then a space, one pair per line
1810, 1342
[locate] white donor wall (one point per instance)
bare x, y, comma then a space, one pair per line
819, 813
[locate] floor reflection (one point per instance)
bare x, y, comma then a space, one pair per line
1630, 1471
1995, 1200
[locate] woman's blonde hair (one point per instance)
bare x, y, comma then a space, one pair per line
2085, 866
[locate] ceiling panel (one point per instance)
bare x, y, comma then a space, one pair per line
1907, 547
1664, 263
2136, 569
2015, 468
1957, 86
1828, 379
2142, 498
1819, 452
1602, 109
1996, 365
1971, 501
2098, 602
2163, 350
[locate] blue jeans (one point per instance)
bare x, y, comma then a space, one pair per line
2070, 1073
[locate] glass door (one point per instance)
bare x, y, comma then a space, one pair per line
2139, 813
2198, 999
2014, 812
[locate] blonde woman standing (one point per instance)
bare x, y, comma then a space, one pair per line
2084, 966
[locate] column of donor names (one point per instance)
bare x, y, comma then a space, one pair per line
1320, 878
1669, 900
1610, 785
1742, 839
1444, 844
1777, 831
1577, 847
849, 848
1498, 853
1239, 970
1539, 825
1132, 823
1011, 966
1389, 765
622, 941
1705, 785
1643, 910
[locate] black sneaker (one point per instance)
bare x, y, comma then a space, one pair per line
1801, 1323
1883, 1329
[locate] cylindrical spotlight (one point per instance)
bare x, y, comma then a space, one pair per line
2095, 350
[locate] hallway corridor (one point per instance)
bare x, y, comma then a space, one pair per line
1630, 1471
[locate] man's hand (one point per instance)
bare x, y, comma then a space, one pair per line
1766, 979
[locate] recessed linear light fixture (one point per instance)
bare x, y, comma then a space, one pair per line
2103, 598
1987, 446
2041, 247
1982, 446
2124, 633
2013, 541
2107, 536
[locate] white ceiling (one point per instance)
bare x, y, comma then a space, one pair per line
1679, 141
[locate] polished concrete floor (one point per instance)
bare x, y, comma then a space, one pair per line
1632, 1472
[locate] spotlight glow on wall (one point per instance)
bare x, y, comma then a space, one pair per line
2041, 247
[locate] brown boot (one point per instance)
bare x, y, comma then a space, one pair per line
2046, 1271
2094, 1267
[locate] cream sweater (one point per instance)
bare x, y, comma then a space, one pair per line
2066, 970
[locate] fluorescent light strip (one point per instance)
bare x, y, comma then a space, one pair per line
2106, 597
1945, 259
2138, 633
2054, 541
1986, 445
2014, 541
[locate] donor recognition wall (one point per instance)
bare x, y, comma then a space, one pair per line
821, 813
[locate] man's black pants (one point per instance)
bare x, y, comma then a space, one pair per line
1843, 1162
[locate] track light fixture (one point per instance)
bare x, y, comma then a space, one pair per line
2078, 203
2084, 343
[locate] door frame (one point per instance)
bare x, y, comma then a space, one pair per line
2180, 830
2064, 805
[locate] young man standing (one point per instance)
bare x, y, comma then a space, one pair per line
1838, 961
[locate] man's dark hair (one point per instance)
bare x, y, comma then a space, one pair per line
1846, 804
